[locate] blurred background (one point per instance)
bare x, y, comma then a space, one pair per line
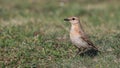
33, 33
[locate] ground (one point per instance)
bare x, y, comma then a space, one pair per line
33, 33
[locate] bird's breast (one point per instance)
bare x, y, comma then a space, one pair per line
77, 40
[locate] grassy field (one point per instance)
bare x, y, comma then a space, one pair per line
34, 35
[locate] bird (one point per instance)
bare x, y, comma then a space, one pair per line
80, 39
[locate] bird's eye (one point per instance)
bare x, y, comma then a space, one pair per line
73, 18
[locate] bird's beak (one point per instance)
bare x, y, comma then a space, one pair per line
66, 19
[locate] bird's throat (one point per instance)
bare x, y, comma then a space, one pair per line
76, 29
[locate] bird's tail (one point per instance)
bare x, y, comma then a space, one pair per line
96, 49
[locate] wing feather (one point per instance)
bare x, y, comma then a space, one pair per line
85, 38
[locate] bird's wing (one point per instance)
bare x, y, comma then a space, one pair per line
85, 38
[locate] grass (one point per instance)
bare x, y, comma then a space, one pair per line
33, 33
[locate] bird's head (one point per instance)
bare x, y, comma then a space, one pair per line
72, 20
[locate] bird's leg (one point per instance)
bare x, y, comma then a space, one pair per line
84, 50
79, 50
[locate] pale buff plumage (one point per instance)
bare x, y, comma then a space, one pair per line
78, 36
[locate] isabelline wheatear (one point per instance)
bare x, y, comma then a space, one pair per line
79, 38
